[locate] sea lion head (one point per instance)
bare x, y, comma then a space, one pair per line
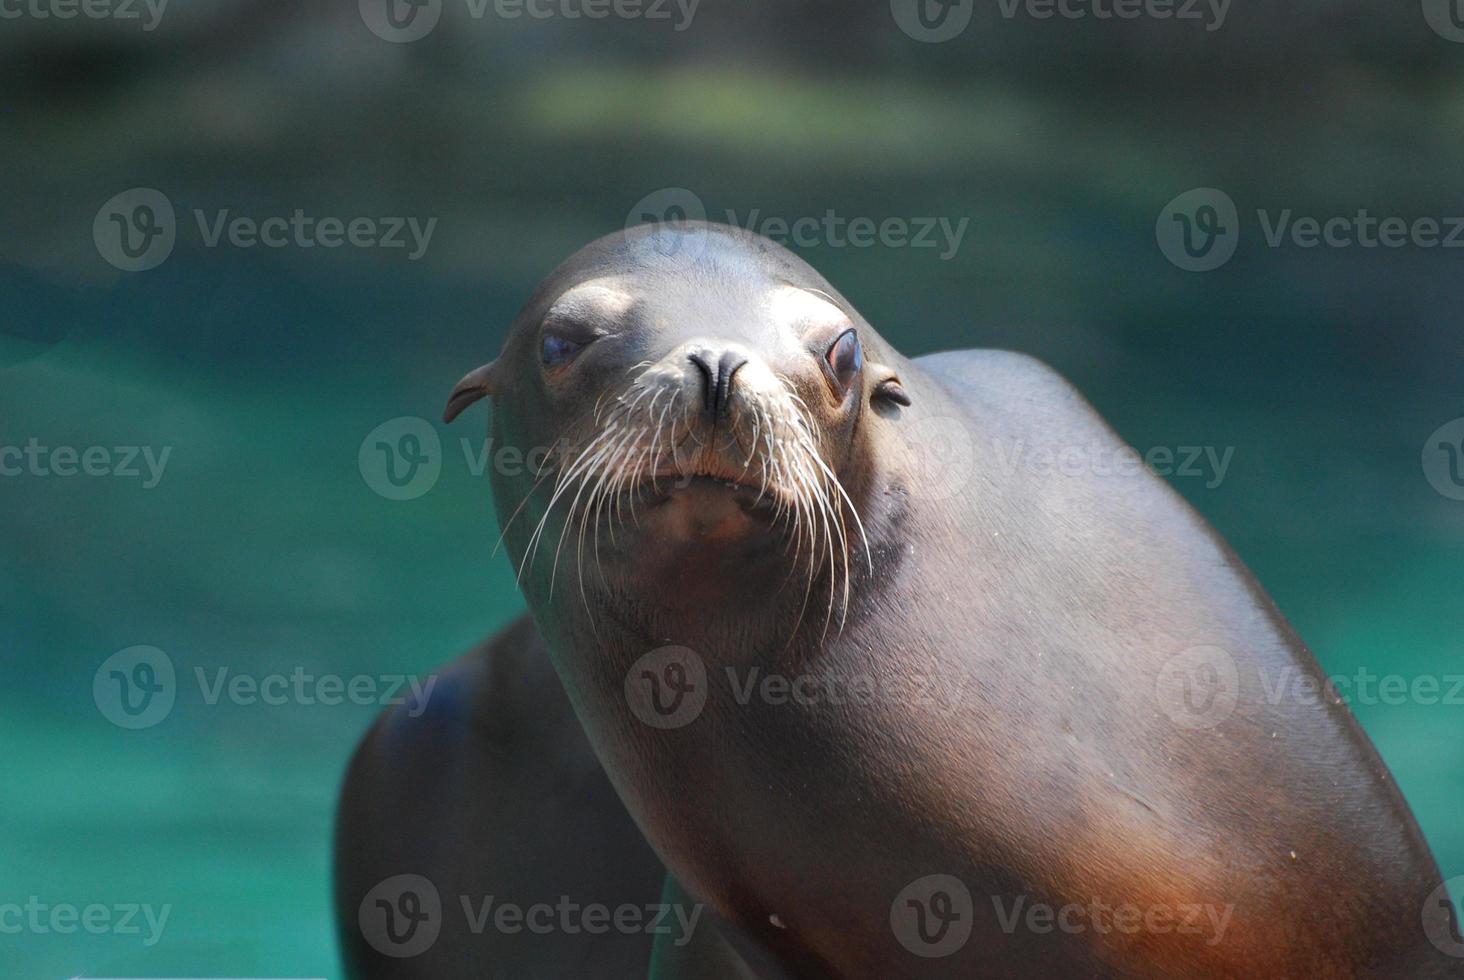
696, 406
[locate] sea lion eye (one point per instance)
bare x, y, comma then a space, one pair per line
845, 359
557, 350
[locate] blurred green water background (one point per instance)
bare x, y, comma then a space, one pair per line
263, 549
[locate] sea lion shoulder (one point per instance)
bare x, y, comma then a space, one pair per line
1018, 390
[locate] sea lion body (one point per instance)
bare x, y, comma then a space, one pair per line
491, 792
968, 745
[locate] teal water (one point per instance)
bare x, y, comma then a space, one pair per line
262, 549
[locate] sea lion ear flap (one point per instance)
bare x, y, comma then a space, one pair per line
475, 385
878, 365
891, 391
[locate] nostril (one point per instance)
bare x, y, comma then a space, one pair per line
709, 378
730, 363
717, 380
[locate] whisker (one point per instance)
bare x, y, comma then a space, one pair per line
646, 430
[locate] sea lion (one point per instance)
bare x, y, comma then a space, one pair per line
1000, 717
487, 792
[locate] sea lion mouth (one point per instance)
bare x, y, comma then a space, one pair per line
699, 511
754, 499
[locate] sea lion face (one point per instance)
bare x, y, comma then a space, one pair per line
698, 418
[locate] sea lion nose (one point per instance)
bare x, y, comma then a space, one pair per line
717, 369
